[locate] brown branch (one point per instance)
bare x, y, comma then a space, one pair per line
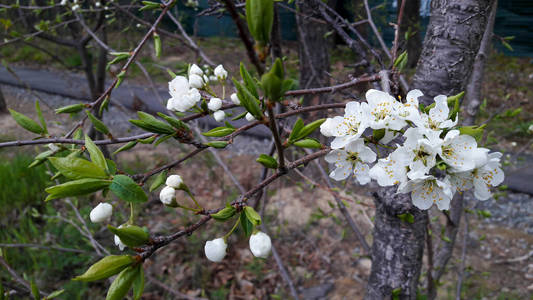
334, 88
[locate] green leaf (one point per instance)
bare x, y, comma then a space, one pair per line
308, 143
149, 5
507, 45
378, 134
247, 226
260, 17
77, 168
126, 147
401, 61
26, 122
138, 284
240, 116
34, 290
157, 45
131, 235
128, 190
249, 81
309, 128
117, 59
454, 102
218, 144
473, 131
159, 180
248, 100
272, 86
69, 109
40, 116
162, 139
225, 214
298, 125
54, 294
219, 132
178, 124
407, 217
106, 267
267, 161
96, 155
76, 188
252, 215
122, 284
151, 124
98, 124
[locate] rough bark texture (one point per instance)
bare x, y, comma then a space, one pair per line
313, 52
473, 90
452, 41
410, 23
397, 248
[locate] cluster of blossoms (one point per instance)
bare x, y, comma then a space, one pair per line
185, 92
260, 245
168, 193
433, 161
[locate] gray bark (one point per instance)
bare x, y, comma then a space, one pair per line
472, 99
452, 41
312, 51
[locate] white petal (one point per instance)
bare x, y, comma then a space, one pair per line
440, 112
412, 97
355, 146
342, 141
367, 155
481, 189
361, 172
341, 173
336, 155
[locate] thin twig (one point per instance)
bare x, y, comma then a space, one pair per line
38, 246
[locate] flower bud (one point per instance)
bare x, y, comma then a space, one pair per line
214, 104
235, 99
213, 79
53, 147
174, 181
196, 81
167, 195
195, 70
220, 72
219, 115
249, 117
118, 242
530, 129
102, 212
215, 250
328, 128
260, 244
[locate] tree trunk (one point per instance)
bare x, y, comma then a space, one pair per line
452, 40
312, 51
410, 24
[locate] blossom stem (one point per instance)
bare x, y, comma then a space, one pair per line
275, 133
232, 230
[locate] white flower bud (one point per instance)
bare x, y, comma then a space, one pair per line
219, 115
215, 250
167, 195
174, 181
260, 244
118, 242
530, 129
214, 104
101, 213
97, 4
249, 117
206, 79
75, 7
63, 2
513, 144
329, 127
53, 147
195, 70
213, 79
196, 81
220, 73
235, 99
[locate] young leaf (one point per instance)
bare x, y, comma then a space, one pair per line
247, 226
40, 115
249, 81
76, 188
54, 294
157, 45
26, 122
225, 214
219, 132
96, 155
69, 109
126, 147
98, 124
77, 168
106, 267
298, 125
34, 290
138, 284
267, 161
308, 143
252, 215
218, 144
151, 124
248, 100
122, 284
126, 189
131, 235
173, 121
309, 128
159, 181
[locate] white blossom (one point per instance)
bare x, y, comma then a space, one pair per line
101, 213
183, 97
235, 99
118, 241
63, 2
167, 195
348, 128
420, 151
75, 7
260, 244
249, 117
354, 157
384, 110
215, 250
219, 115
530, 129
214, 104
409, 110
391, 170
195, 70
459, 151
220, 72
174, 181
97, 4
196, 81
428, 190
438, 116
